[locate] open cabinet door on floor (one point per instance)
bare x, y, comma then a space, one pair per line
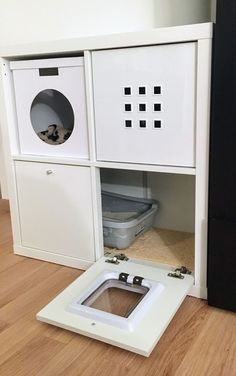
126, 304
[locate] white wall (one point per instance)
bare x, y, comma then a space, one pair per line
124, 182
213, 10
32, 20
176, 194
181, 12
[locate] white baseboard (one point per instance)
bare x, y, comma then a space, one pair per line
52, 257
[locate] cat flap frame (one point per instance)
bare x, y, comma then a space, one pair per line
144, 336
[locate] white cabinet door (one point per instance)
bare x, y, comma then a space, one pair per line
145, 104
55, 208
112, 314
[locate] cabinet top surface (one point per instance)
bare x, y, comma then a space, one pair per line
174, 34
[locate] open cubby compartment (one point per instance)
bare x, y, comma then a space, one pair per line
170, 238
51, 107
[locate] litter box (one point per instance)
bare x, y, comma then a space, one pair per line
125, 218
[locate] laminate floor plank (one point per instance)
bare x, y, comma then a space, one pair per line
5, 227
33, 299
31, 357
16, 336
32, 275
3, 326
61, 335
214, 350
59, 364
8, 260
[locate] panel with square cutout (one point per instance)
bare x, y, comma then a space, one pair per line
159, 88
140, 331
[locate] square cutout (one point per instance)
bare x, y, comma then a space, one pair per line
142, 90
142, 107
142, 124
157, 107
128, 124
157, 90
127, 90
157, 124
128, 107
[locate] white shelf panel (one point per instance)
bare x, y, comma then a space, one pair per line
56, 160
174, 34
150, 168
122, 166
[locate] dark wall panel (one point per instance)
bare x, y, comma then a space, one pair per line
222, 183
222, 262
222, 201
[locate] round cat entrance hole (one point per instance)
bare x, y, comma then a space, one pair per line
52, 117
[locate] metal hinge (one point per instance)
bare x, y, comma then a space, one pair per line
183, 270
115, 259
178, 273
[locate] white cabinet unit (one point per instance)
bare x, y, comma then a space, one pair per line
51, 107
55, 208
132, 117
145, 104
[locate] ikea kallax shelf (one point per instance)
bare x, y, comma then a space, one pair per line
128, 112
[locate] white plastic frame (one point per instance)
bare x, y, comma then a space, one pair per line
129, 323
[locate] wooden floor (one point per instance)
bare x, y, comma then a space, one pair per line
200, 340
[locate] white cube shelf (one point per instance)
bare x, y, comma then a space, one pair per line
51, 93
145, 104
